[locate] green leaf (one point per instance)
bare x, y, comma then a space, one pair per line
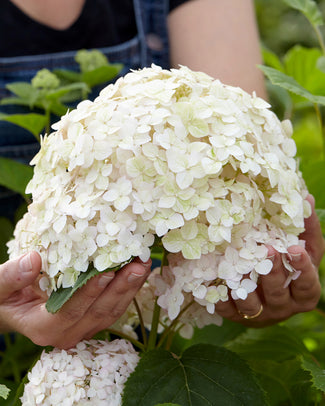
275, 343
167, 404
15, 101
290, 84
321, 63
321, 215
308, 138
68, 75
62, 295
285, 383
310, 10
15, 175
212, 334
59, 109
25, 91
314, 173
301, 64
102, 74
32, 122
63, 90
271, 59
4, 391
317, 373
204, 375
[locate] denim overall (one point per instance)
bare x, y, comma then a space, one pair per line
150, 45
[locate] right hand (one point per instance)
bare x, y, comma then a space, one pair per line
94, 307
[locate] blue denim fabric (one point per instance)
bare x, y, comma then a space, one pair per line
150, 45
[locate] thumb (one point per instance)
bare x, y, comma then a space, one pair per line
19, 273
313, 235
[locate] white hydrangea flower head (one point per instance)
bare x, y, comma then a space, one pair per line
205, 167
92, 373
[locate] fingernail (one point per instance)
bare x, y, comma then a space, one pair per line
295, 257
105, 279
134, 277
25, 263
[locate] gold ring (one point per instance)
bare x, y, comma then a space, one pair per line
248, 317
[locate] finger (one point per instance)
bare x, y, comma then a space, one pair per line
18, 273
315, 244
272, 286
115, 299
249, 307
78, 305
306, 289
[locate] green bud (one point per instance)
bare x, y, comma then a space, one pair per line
44, 79
90, 60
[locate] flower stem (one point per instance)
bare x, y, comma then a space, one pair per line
154, 327
127, 337
156, 313
169, 329
143, 329
320, 121
320, 38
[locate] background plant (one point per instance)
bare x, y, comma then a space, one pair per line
284, 364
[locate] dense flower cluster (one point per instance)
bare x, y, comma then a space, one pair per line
93, 373
206, 168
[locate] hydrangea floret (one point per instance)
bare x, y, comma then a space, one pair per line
92, 373
169, 155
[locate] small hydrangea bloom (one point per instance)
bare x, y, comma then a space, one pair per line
174, 154
92, 373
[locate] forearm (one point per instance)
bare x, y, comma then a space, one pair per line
220, 38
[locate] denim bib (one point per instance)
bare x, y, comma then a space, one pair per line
150, 45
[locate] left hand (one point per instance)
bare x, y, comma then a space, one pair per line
272, 302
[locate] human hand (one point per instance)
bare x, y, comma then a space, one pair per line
272, 302
94, 307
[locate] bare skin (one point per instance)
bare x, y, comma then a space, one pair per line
219, 38
58, 14
94, 307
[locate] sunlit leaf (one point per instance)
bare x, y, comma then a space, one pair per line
321, 215
308, 138
314, 173
321, 63
290, 84
309, 8
271, 59
301, 64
